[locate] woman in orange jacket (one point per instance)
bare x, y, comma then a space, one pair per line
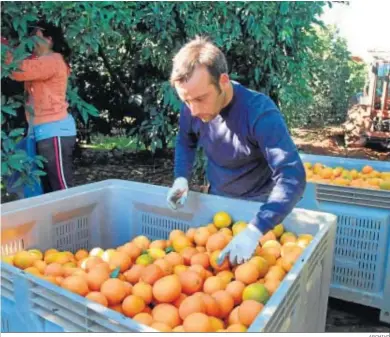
46, 76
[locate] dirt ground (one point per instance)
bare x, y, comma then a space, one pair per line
142, 167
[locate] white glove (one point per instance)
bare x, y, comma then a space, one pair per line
177, 195
242, 247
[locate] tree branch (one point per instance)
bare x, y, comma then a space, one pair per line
124, 90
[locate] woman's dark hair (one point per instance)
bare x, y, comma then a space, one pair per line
57, 36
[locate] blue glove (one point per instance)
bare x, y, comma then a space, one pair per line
242, 247
177, 195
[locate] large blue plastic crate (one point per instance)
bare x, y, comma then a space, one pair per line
361, 267
108, 214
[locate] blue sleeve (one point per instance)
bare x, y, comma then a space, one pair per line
186, 143
288, 173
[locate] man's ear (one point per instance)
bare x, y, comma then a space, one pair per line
224, 79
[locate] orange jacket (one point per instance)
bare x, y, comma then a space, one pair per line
46, 80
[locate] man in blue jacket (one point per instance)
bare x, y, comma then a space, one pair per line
250, 152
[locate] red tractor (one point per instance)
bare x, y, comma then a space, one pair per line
368, 121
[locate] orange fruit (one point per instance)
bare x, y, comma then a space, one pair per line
41, 265
107, 255
97, 297
121, 260
114, 290
166, 313
160, 244
180, 243
211, 228
216, 324
225, 301
162, 327
132, 305
235, 289
75, 284
213, 262
248, 311
261, 263
191, 304
180, 299
197, 322
165, 266
174, 258
33, 270
90, 262
142, 242
201, 236
134, 273
236, 328
272, 285
213, 284
201, 249
167, 289
201, 259
270, 258
272, 247
81, 254
24, 259
226, 276
143, 290
191, 234
116, 307
257, 292
175, 233
131, 249
275, 272
247, 273
190, 281
278, 230
217, 241
151, 274
287, 237
367, 169
54, 269
222, 220
304, 240
128, 287
233, 317
211, 304
96, 277
270, 235
179, 269
199, 269
143, 318
187, 254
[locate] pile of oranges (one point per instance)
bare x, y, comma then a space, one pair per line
366, 178
175, 285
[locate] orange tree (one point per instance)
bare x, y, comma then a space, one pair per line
122, 54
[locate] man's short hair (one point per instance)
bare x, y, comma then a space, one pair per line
198, 52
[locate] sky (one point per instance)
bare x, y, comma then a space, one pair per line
364, 23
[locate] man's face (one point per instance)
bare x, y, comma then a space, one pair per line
201, 96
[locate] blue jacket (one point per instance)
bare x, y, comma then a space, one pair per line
250, 155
